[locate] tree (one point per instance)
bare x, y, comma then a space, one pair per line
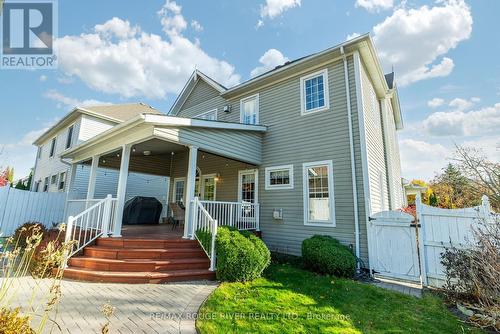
484, 175
452, 189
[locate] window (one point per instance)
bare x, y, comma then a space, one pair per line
279, 177
247, 186
52, 147
62, 181
69, 139
179, 190
46, 184
249, 110
39, 152
37, 186
319, 208
53, 179
314, 92
209, 187
209, 115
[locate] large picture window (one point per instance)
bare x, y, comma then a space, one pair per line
314, 92
249, 110
319, 207
279, 177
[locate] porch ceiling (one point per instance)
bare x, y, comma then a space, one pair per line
165, 134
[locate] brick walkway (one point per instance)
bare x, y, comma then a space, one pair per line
139, 308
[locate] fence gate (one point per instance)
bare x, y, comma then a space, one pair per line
393, 245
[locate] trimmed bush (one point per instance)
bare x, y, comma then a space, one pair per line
326, 255
240, 256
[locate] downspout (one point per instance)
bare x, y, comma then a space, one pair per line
353, 162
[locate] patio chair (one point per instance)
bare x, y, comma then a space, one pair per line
178, 214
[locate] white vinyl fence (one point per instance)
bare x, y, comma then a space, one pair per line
20, 206
402, 249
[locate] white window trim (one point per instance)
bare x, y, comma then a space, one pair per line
255, 96
269, 186
59, 181
179, 179
203, 178
240, 176
52, 154
207, 112
303, 79
67, 135
331, 193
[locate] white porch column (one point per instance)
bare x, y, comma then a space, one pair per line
92, 177
190, 183
122, 188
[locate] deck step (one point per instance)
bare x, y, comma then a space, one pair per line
146, 243
138, 277
132, 265
143, 253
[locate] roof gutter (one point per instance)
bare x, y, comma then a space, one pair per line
353, 162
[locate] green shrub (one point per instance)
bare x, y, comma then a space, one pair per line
325, 255
26, 231
241, 256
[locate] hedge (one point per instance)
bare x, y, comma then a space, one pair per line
241, 256
326, 255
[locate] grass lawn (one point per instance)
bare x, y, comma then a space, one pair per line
292, 300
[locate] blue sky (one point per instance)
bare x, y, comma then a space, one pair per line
444, 54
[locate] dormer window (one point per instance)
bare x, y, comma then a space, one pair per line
249, 110
314, 92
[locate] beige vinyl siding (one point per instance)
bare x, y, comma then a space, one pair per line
377, 169
201, 92
392, 152
226, 187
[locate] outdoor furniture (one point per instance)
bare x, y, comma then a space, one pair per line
178, 214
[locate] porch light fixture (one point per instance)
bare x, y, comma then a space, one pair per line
133, 149
217, 177
146, 153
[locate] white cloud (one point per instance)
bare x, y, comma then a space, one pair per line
43, 78
435, 102
420, 159
375, 5
196, 25
121, 59
459, 123
461, 104
351, 36
416, 40
70, 102
274, 8
269, 60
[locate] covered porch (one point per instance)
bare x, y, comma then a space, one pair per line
211, 169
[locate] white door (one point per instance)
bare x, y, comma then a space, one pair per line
393, 247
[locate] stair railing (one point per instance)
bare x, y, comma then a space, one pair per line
204, 230
94, 222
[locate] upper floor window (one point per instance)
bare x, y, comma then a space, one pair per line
62, 181
46, 184
52, 147
39, 152
209, 115
69, 138
314, 92
249, 110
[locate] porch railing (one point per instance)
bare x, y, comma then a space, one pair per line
241, 215
204, 230
75, 206
93, 222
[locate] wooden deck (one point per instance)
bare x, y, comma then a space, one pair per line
155, 231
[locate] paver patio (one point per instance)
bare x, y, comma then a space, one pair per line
139, 308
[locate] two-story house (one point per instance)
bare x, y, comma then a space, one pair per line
307, 148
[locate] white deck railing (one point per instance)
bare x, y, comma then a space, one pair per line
204, 230
75, 206
241, 215
93, 222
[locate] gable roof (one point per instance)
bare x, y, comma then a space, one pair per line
115, 113
188, 88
